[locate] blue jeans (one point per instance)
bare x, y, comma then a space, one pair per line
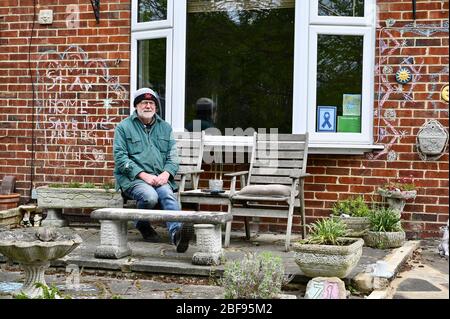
148, 196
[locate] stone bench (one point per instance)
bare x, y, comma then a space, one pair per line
114, 228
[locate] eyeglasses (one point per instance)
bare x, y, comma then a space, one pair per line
144, 103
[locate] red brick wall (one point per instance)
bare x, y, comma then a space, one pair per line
81, 76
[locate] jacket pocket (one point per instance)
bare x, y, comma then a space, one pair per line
163, 145
134, 145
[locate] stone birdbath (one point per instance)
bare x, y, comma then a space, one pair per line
397, 198
34, 249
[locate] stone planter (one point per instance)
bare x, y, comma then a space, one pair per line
56, 199
10, 218
397, 198
356, 226
328, 260
384, 240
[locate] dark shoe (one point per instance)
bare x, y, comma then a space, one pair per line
182, 237
148, 233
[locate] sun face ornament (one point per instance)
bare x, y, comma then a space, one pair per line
444, 93
403, 76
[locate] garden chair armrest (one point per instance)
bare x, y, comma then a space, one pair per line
237, 174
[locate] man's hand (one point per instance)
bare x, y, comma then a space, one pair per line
162, 179
149, 178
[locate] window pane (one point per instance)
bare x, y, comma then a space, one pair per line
152, 68
152, 10
341, 8
240, 57
339, 83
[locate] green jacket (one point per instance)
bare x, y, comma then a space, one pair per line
137, 151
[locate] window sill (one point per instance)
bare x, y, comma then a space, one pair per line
314, 148
343, 149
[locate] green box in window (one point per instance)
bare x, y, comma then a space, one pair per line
349, 124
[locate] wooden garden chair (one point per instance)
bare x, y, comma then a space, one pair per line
275, 183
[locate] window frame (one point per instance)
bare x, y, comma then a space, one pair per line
140, 26
366, 135
307, 27
367, 20
150, 35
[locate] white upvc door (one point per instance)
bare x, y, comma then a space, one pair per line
301, 56
179, 65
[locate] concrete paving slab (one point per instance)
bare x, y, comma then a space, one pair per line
161, 258
415, 284
424, 276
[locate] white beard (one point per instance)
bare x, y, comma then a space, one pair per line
146, 116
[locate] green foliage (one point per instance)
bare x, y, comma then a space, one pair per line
256, 277
88, 185
106, 186
74, 185
47, 292
402, 184
384, 219
355, 207
109, 185
56, 185
326, 232
22, 295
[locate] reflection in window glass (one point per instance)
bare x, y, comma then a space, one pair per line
341, 8
339, 83
152, 10
239, 69
152, 68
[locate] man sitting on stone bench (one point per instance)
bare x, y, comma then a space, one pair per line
146, 162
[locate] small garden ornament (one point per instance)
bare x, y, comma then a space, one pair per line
397, 192
443, 246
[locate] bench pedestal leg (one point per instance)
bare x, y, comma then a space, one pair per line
113, 240
209, 245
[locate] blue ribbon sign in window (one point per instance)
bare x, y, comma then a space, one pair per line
326, 119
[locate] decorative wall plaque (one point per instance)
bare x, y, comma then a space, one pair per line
432, 138
403, 76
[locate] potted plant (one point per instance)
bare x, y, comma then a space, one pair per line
397, 192
326, 252
257, 276
8, 198
55, 197
354, 213
385, 229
